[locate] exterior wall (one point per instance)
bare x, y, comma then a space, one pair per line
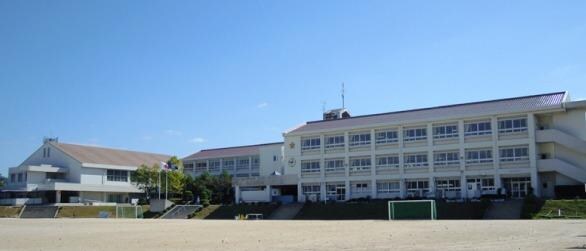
92, 176
271, 159
56, 158
498, 170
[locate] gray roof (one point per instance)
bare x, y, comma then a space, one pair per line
229, 151
109, 156
484, 108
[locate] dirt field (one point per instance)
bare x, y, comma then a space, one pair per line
112, 234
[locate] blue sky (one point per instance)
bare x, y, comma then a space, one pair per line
175, 77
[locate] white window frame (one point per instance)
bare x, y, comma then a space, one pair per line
508, 125
415, 160
448, 184
358, 164
334, 165
113, 175
310, 143
446, 158
360, 187
200, 166
420, 185
384, 187
514, 153
443, 131
419, 133
383, 161
479, 153
309, 189
212, 167
229, 164
386, 137
338, 141
310, 166
473, 128
486, 184
359, 139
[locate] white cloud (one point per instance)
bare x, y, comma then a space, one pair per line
197, 140
262, 105
172, 132
147, 138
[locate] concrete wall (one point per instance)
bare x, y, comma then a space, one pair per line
271, 159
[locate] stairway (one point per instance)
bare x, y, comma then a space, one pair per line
508, 209
562, 138
180, 212
39, 212
563, 167
286, 211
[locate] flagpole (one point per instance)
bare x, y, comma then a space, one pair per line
159, 184
166, 182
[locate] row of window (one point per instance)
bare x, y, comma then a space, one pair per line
447, 158
217, 165
390, 136
394, 186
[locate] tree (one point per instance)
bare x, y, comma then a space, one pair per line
210, 189
2, 181
176, 180
146, 178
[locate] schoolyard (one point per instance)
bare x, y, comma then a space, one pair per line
128, 235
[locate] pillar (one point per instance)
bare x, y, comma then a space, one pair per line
237, 194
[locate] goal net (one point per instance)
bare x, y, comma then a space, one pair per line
129, 212
412, 210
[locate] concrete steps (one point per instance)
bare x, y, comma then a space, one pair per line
180, 212
509, 209
33, 212
286, 211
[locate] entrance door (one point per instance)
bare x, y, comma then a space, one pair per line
473, 190
341, 192
519, 189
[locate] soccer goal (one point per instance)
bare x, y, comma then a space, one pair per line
412, 210
129, 212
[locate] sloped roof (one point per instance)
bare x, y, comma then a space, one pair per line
109, 156
229, 151
499, 106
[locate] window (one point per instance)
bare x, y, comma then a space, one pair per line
417, 185
512, 125
19, 177
46, 152
477, 128
12, 178
388, 187
274, 158
214, 166
361, 139
310, 166
387, 137
228, 164
334, 165
486, 184
242, 164
310, 143
312, 190
201, 166
478, 156
360, 188
448, 184
117, 175
390, 161
414, 134
445, 131
416, 160
446, 158
336, 141
518, 153
360, 164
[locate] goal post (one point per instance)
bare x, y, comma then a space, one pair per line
412, 210
129, 212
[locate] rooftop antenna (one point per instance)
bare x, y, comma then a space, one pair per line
343, 105
323, 106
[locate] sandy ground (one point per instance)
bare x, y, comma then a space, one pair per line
102, 234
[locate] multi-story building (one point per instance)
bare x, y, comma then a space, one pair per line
257, 170
68, 173
514, 146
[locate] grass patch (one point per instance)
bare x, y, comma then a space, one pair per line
229, 211
85, 211
9, 212
548, 209
92, 211
378, 210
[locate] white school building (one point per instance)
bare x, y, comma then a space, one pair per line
510, 146
68, 173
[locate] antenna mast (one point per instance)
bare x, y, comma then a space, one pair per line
343, 105
323, 106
